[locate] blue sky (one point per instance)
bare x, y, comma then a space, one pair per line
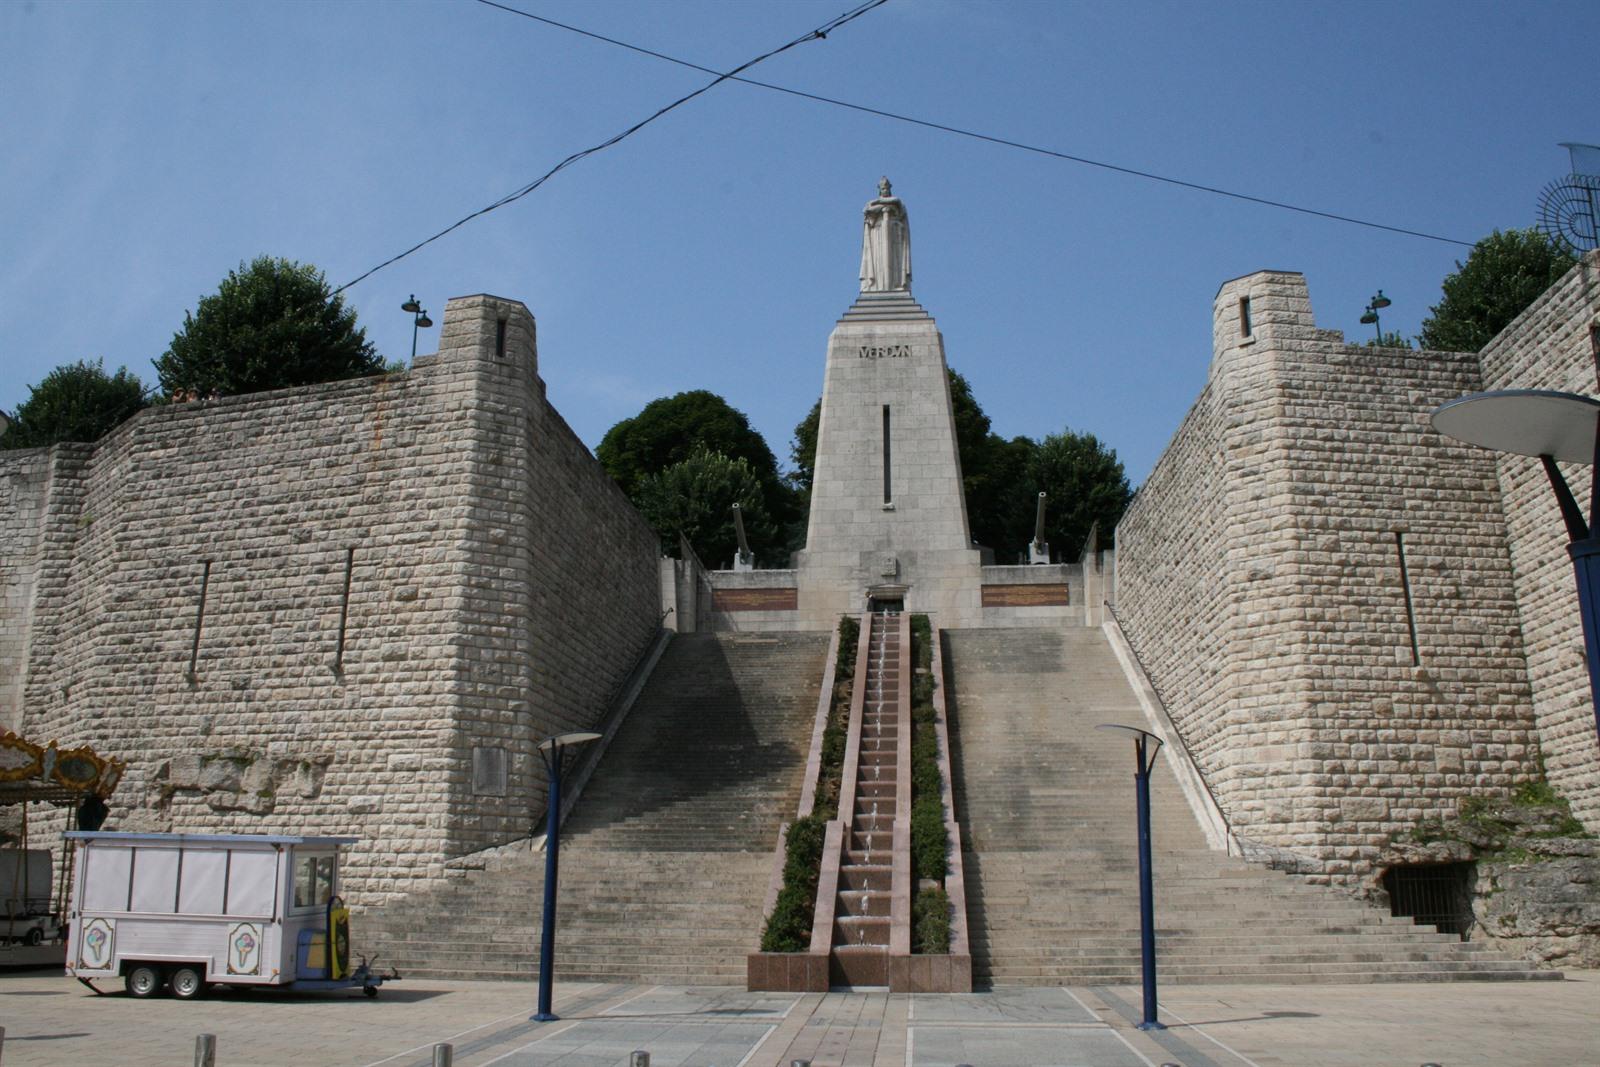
150, 147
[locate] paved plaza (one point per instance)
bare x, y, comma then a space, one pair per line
50, 1019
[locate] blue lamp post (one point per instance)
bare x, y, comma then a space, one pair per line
1144, 758
553, 751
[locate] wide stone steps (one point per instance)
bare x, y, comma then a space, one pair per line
1048, 816
665, 859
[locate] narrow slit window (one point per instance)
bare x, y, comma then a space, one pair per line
344, 607
199, 618
500, 339
1405, 587
888, 494
1245, 326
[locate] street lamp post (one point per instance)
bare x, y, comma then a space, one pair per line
552, 750
1376, 304
1551, 426
1144, 758
419, 320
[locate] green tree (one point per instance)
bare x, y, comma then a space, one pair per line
803, 451
75, 402
673, 428
695, 497
1503, 274
1000, 503
1086, 484
270, 324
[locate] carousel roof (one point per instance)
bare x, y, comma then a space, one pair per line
53, 775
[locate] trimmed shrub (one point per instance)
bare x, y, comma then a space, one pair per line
788, 928
921, 642
930, 845
930, 921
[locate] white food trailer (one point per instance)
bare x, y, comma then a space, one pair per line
181, 911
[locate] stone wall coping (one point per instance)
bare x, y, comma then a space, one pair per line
1207, 813
955, 878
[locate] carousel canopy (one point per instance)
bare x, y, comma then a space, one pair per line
53, 775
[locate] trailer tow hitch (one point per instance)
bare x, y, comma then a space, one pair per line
90, 983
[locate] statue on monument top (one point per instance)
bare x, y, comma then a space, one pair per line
885, 244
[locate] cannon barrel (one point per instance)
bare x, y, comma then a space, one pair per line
738, 526
1038, 521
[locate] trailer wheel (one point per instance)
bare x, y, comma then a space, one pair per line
143, 981
187, 983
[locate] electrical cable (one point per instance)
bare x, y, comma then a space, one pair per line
818, 34
992, 139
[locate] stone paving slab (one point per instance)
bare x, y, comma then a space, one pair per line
1030, 1005
51, 1020
1033, 1046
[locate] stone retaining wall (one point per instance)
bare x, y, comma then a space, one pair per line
1553, 345
1305, 522
24, 484
499, 589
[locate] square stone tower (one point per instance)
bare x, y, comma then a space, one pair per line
888, 520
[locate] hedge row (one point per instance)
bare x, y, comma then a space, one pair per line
788, 928
930, 844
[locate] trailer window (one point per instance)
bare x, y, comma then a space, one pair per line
155, 880
203, 884
108, 879
252, 879
313, 881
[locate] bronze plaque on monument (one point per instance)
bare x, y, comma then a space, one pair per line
780, 599
1047, 595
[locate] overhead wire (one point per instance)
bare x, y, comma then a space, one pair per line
820, 33
990, 138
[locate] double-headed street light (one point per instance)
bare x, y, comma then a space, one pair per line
553, 751
1374, 305
419, 320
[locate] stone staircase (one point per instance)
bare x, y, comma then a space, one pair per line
861, 927
1046, 805
665, 859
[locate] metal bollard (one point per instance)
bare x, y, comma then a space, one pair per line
443, 1055
640, 1058
205, 1050
799, 1063
2, 1041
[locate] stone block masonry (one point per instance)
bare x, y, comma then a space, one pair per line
24, 485
1554, 344
1321, 589
388, 590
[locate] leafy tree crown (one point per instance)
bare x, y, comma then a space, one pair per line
270, 324
672, 429
695, 498
1503, 274
75, 402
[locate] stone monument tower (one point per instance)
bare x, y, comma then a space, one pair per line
888, 518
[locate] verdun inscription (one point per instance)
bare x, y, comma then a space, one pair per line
883, 352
